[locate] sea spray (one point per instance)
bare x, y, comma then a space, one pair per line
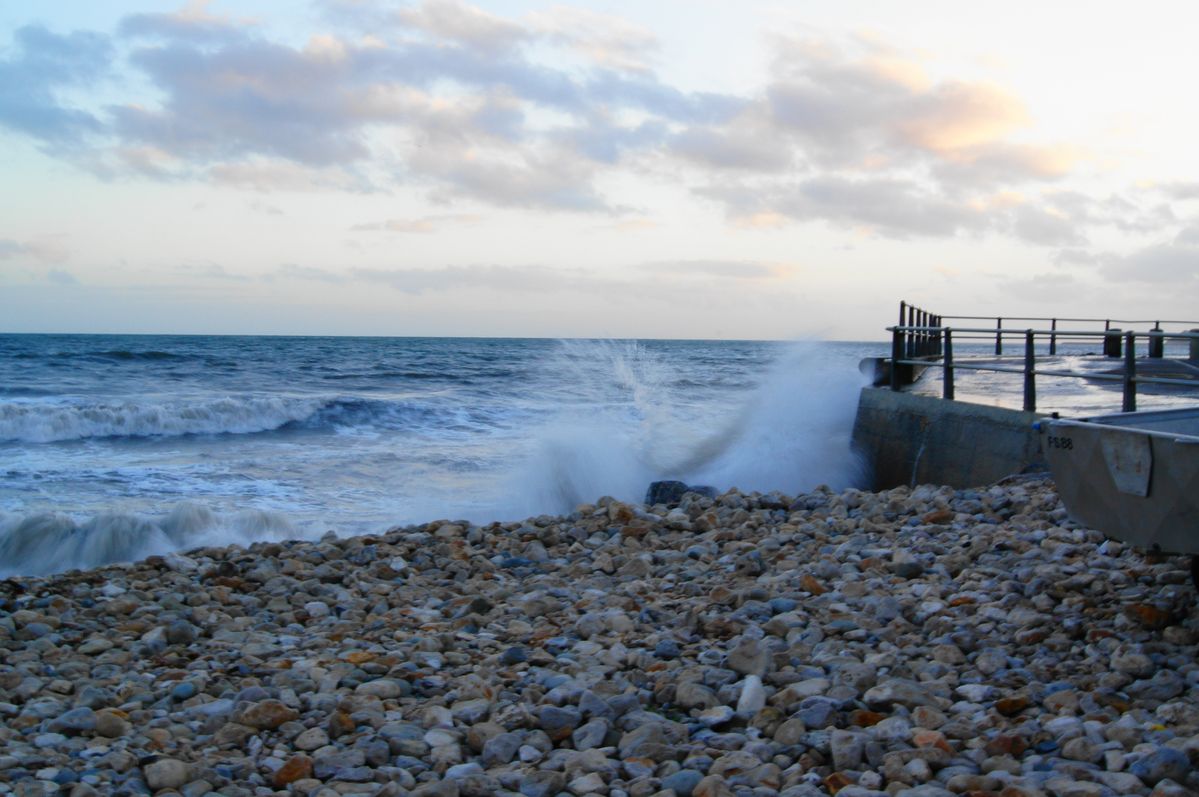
629, 423
793, 432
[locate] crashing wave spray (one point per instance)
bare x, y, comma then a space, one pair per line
627, 425
793, 432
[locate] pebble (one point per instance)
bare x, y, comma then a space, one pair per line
919, 642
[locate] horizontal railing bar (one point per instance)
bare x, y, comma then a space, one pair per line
1076, 375
1060, 318
999, 369
1060, 333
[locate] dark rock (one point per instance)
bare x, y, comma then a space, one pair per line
665, 492
672, 492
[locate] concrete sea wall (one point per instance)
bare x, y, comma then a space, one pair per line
913, 439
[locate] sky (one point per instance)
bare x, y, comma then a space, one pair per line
735, 169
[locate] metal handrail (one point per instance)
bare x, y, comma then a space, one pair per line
1061, 318
911, 314
926, 341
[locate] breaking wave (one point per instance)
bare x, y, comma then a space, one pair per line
54, 542
37, 422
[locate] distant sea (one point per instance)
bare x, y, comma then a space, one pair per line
113, 448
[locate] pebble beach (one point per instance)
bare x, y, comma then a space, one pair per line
917, 642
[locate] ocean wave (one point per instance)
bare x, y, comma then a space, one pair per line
39, 422
30, 422
106, 354
53, 542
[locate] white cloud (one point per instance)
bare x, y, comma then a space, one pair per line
605, 40
422, 224
465, 24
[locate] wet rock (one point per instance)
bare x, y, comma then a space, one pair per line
1162, 763
166, 773
267, 715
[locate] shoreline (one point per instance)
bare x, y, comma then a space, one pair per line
908, 642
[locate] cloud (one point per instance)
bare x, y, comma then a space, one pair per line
41, 64
605, 40
542, 111
43, 250
884, 148
60, 277
454, 103
293, 271
1174, 263
523, 279
1047, 288
464, 24
423, 224
213, 271
745, 143
630, 225
864, 106
724, 269
1043, 226
1180, 190
191, 23
267, 175
891, 207
526, 178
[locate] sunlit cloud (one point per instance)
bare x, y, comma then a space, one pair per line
192, 22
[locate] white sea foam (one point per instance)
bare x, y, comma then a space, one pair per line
53, 542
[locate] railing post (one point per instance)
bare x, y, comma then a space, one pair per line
998, 337
911, 336
940, 348
1157, 341
1030, 382
1053, 338
896, 356
1111, 341
1130, 373
947, 371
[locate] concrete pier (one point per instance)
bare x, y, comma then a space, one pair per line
911, 439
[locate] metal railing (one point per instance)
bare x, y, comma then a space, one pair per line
931, 344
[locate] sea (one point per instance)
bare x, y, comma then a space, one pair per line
114, 448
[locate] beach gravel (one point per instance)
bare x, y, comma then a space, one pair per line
916, 642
